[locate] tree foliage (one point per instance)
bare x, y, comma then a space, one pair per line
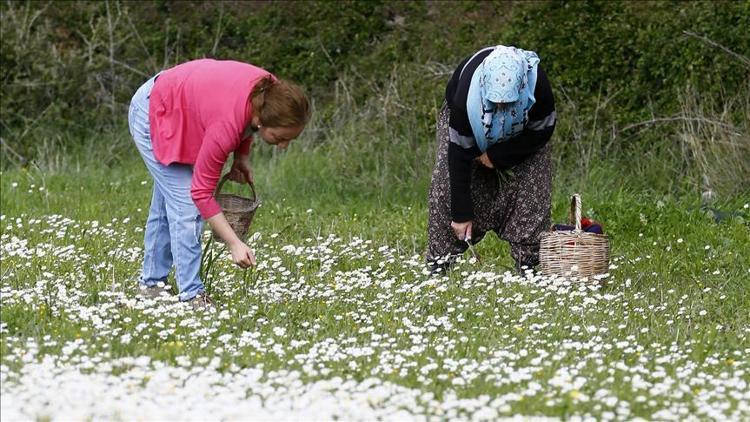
70, 68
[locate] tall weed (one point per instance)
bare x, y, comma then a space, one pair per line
715, 144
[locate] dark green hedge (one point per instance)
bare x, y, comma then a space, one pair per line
69, 68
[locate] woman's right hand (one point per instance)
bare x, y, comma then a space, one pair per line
462, 230
484, 159
241, 171
242, 255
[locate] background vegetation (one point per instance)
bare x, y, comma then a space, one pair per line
657, 90
653, 101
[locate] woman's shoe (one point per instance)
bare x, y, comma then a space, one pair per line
201, 302
154, 292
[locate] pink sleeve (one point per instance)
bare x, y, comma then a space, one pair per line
215, 149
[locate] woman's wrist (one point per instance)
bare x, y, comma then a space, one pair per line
220, 225
235, 242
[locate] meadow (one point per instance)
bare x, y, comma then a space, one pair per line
340, 319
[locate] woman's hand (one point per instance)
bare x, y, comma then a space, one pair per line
241, 171
484, 159
462, 230
242, 255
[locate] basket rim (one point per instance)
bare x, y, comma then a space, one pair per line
249, 206
572, 233
238, 210
232, 195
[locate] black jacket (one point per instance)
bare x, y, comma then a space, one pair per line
504, 155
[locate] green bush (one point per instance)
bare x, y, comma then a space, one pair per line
69, 69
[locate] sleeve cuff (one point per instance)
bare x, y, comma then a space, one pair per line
208, 208
462, 216
497, 158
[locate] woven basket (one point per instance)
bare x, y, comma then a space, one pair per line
574, 253
237, 210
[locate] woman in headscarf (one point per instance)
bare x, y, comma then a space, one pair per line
493, 169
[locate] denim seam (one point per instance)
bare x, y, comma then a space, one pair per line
177, 256
181, 253
152, 267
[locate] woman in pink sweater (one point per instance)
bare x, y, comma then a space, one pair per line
186, 121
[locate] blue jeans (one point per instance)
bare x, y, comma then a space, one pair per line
174, 225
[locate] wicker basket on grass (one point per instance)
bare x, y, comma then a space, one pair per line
238, 210
574, 253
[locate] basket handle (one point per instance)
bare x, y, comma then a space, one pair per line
575, 211
225, 178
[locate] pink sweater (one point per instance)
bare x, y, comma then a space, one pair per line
197, 113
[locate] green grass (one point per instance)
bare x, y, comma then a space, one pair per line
341, 264
339, 318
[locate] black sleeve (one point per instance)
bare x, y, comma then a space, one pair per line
459, 158
452, 86
505, 155
459, 173
545, 101
536, 134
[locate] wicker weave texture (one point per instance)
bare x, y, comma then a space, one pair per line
574, 253
238, 210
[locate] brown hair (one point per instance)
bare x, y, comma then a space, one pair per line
280, 103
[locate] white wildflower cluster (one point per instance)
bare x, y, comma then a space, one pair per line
335, 328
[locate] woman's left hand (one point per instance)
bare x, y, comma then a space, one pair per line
484, 159
241, 171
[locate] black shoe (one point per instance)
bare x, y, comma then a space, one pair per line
440, 266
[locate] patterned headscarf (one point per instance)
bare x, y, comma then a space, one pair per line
500, 95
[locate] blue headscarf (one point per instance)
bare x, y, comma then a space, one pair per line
507, 76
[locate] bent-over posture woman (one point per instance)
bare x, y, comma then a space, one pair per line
493, 169
186, 121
